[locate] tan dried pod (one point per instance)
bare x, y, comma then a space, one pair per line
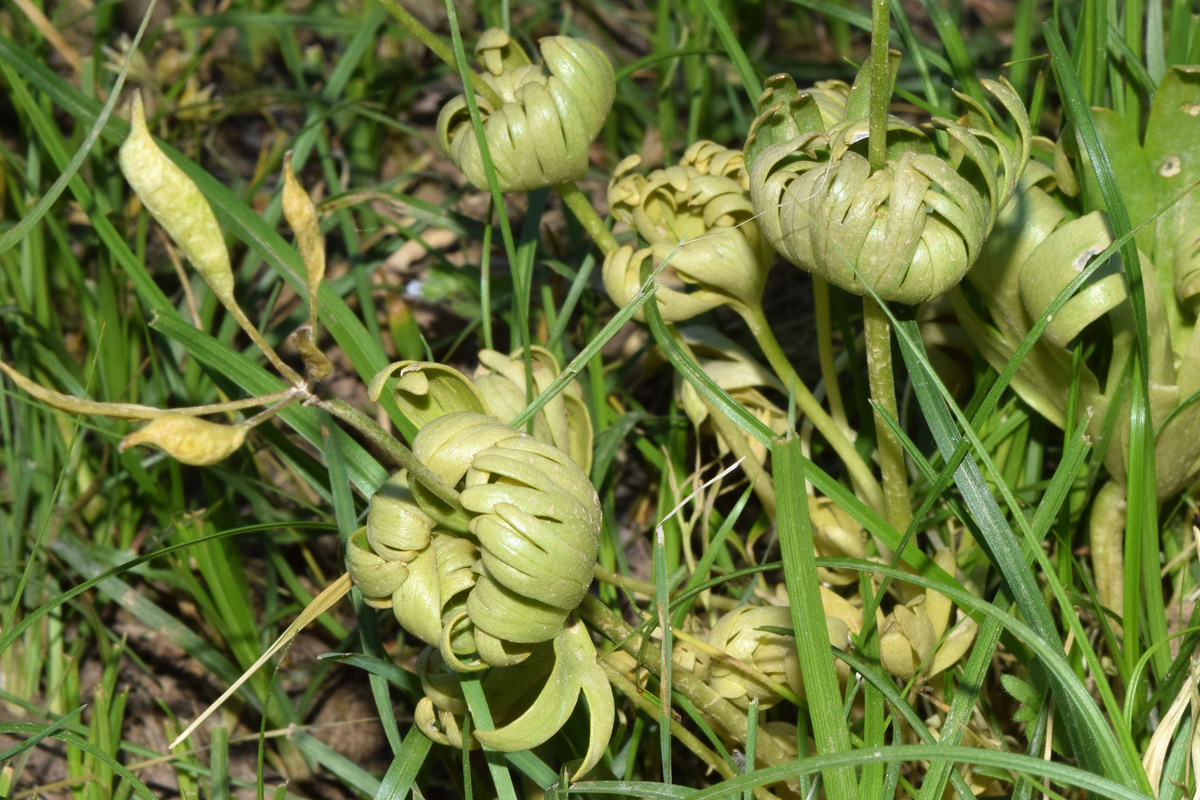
771, 655
301, 215
173, 199
911, 642
189, 440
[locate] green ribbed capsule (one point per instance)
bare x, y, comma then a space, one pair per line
503, 576
550, 114
910, 230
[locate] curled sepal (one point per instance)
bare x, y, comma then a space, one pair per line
711, 158
425, 390
563, 422
189, 440
549, 115
623, 277
910, 230
375, 576
575, 669
1059, 258
173, 199
785, 111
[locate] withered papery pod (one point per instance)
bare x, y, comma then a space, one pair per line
702, 202
174, 201
493, 585
550, 114
910, 230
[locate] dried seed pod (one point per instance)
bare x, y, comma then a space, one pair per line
909, 637
189, 440
549, 115
772, 655
173, 199
80, 405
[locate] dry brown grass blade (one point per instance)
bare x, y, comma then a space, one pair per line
319, 605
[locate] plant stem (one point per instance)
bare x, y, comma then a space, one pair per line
880, 85
739, 445
439, 48
877, 326
581, 207
860, 473
290, 375
877, 330
825, 353
393, 449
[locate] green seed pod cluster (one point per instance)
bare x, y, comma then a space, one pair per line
761, 662
910, 230
702, 202
505, 577
491, 586
913, 638
549, 115
743, 635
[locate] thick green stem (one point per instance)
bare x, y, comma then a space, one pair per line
825, 353
393, 449
438, 48
860, 473
582, 208
877, 330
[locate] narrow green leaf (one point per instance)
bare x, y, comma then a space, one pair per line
808, 615
402, 774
